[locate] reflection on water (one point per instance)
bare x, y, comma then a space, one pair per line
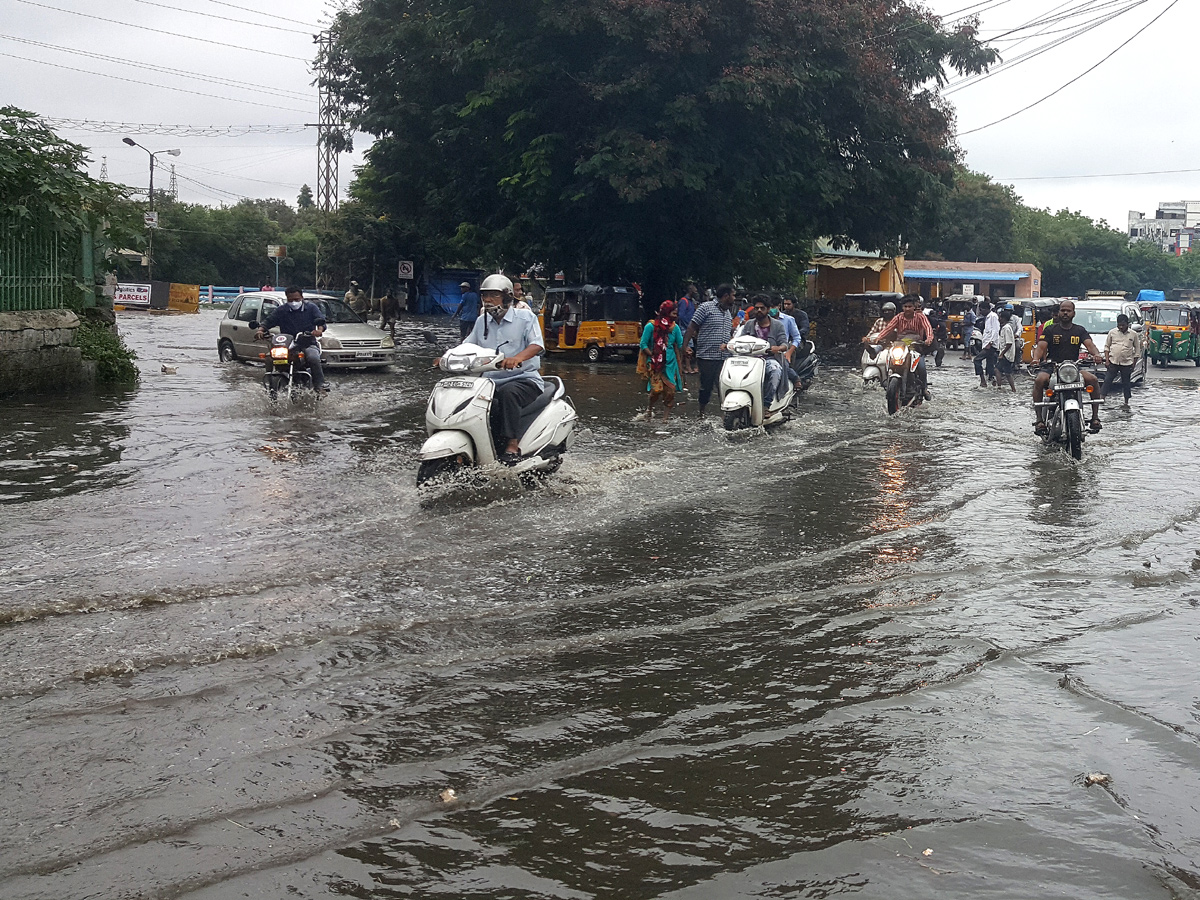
686, 667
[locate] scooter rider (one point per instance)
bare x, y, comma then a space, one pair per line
760, 324
888, 312
299, 316
1061, 342
515, 333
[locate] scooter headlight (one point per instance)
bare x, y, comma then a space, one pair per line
456, 363
279, 353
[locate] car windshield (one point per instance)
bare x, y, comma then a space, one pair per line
1096, 321
336, 312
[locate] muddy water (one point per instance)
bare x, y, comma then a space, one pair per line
858, 656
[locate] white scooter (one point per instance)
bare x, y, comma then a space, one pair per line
741, 385
459, 422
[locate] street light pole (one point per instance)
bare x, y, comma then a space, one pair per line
150, 238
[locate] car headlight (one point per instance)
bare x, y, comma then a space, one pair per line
388, 343
329, 342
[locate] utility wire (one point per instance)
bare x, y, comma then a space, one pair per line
222, 18
1110, 175
97, 127
183, 73
1059, 90
164, 87
260, 13
158, 30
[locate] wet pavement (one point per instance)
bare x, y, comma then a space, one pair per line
857, 656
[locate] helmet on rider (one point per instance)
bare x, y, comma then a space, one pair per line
889, 309
496, 283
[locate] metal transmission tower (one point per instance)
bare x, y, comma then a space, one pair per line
173, 189
327, 154
104, 168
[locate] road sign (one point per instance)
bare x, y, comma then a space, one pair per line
405, 270
276, 251
151, 219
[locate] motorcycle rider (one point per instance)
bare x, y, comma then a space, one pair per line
912, 325
1061, 342
515, 333
760, 324
299, 316
888, 312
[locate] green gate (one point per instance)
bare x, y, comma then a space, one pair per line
39, 266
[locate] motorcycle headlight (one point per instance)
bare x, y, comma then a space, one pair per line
1068, 373
329, 342
279, 353
897, 354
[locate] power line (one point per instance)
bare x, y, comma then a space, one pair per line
195, 12
259, 13
1109, 175
163, 69
1059, 90
98, 127
164, 87
157, 30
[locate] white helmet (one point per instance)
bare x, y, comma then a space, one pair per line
497, 283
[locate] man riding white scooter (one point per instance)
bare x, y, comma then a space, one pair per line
516, 334
760, 324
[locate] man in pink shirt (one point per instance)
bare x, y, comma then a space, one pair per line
910, 324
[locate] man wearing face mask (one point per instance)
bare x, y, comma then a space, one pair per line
760, 324
299, 316
515, 333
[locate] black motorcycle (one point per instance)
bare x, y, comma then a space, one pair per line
287, 367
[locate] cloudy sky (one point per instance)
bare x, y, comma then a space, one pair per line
1093, 146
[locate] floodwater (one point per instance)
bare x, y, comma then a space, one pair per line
859, 657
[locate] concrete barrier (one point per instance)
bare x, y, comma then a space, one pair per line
36, 353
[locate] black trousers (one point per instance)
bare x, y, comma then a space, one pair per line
710, 371
511, 397
1114, 371
465, 328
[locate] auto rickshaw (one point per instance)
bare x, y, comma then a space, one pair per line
956, 305
1172, 332
592, 319
1035, 315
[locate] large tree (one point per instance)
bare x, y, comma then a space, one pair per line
650, 138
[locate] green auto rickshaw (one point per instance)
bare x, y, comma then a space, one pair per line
1172, 332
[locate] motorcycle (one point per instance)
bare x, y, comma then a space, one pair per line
741, 385
287, 368
1065, 396
899, 375
808, 366
458, 420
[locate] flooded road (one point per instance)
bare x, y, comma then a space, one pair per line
855, 657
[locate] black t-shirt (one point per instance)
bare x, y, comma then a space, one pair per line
1064, 343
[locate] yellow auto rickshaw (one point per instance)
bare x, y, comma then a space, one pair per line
592, 319
1035, 314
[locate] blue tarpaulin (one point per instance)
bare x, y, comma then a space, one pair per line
1151, 297
962, 275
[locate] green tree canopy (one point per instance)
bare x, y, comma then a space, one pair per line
649, 138
976, 224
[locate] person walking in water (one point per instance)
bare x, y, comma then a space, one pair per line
711, 329
1121, 351
1006, 362
662, 353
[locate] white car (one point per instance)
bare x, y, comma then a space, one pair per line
1099, 317
348, 341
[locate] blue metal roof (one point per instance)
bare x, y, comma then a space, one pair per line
963, 275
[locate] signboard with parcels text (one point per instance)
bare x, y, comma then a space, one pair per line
132, 296
405, 270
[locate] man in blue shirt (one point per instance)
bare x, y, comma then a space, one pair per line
711, 328
299, 316
801, 317
793, 339
516, 334
468, 310
686, 309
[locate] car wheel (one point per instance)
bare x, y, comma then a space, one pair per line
226, 352
592, 354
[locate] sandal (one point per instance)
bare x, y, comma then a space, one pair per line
1040, 427
1094, 426
510, 459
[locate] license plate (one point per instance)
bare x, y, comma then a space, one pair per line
364, 354
457, 384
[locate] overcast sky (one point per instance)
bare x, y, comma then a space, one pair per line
1133, 114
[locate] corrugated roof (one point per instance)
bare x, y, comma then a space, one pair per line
963, 275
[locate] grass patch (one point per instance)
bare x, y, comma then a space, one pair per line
114, 361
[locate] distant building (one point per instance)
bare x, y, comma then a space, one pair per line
938, 278
1173, 227
837, 271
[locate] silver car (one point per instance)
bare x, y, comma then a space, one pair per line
348, 341
1099, 317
